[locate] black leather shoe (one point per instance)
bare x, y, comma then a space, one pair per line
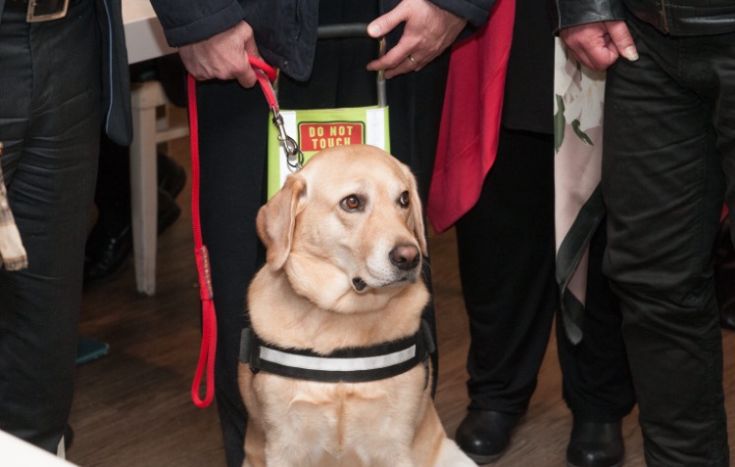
109, 244
595, 444
485, 434
107, 249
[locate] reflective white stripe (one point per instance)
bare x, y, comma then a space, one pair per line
337, 364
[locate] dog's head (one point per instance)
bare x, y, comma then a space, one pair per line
347, 229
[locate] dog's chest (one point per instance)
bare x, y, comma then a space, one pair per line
336, 417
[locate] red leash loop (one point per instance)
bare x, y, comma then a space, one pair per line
208, 348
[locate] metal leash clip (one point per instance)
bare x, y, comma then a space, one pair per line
294, 156
266, 75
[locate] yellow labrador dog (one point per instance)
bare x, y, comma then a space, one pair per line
335, 368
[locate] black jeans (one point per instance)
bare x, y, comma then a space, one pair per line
506, 258
50, 123
669, 152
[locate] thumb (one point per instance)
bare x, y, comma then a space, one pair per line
244, 71
247, 75
620, 36
251, 48
384, 24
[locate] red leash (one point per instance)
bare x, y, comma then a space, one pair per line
208, 348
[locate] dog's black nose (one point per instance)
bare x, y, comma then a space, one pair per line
404, 257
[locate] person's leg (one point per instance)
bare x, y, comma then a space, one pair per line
597, 385
49, 123
112, 192
110, 241
506, 257
724, 122
233, 124
663, 187
725, 273
596, 380
506, 261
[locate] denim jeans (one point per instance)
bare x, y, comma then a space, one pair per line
669, 154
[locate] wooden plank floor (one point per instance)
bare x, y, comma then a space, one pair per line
132, 407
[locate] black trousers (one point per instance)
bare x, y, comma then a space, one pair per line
50, 123
506, 258
669, 159
233, 128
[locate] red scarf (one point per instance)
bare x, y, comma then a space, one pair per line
468, 136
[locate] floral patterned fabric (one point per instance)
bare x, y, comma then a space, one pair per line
578, 115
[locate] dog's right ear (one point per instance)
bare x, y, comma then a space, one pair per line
277, 219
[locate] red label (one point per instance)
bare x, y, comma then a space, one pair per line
318, 136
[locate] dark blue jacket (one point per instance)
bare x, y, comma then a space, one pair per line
285, 30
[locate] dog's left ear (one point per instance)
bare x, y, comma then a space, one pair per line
417, 214
277, 219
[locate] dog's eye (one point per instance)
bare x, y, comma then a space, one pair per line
404, 200
352, 203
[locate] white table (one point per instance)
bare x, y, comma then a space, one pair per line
143, 33
145, 40
17, 453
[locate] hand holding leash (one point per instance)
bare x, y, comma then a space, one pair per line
221, 56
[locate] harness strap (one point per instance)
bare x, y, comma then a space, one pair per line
348, 365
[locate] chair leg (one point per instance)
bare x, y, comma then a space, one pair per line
143, 184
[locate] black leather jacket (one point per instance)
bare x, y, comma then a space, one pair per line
285, 30
675, 17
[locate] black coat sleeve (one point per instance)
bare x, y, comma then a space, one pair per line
476, 12
188, 21
575, 12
